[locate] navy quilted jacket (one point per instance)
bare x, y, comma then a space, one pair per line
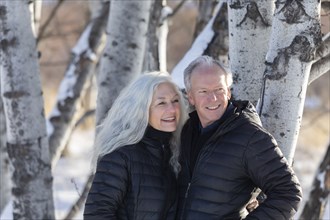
238, 157
134, 182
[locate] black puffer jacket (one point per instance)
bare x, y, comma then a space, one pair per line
238, 157
135, 182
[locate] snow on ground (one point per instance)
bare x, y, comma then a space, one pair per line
70, 174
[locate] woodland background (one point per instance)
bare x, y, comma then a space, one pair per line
61, 34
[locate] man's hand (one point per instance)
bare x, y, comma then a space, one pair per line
253, 204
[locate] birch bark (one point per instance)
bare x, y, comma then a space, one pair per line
206, 10
84, 56
27, 141
295, 35
123, 55
5, 181
151, 58
249, 34
317, 207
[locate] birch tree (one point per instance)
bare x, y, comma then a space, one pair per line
27, 141
85, 56
205, 13
317, 207
296, 34
249, 33
155, 57
5, 182
199, 47
151, 58
124, 51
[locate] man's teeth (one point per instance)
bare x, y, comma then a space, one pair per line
169, 119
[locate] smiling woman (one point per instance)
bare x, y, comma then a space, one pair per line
165, 108
137, 148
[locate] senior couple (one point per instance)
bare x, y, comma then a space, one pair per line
154, 163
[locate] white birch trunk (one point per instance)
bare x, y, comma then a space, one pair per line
27, 140
151, 60
5, 182
249, 34
295, 35
123, 56
72, 88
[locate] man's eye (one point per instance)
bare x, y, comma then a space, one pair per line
161, 103
220, 90
175, 101
202, 91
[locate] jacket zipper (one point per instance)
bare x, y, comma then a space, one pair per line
186, 194
185, 200
191, 177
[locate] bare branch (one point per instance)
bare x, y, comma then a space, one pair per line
319, 68
176, 9
325, 5
80, 202
324, 49
319, 196
50, 17
84, 55
322, 60
86, 115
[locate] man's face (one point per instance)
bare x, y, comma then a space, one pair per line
209, 93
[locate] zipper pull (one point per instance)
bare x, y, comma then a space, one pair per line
186, 195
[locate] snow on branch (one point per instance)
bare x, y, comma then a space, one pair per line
63, 115
198, 47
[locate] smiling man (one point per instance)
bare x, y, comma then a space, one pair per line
227, 154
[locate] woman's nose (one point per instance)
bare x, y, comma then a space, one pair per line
171, 107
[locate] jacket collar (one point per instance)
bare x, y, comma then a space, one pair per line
231, 119
157, 142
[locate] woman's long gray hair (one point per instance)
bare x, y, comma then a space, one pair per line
128, 118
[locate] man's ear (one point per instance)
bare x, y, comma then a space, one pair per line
190, 98
229, 93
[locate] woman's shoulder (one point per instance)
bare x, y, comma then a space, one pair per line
122, 152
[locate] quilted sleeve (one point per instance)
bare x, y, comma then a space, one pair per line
270, 171
109, 187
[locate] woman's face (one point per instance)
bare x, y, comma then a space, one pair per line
164, 110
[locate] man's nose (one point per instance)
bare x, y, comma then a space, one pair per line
213, 96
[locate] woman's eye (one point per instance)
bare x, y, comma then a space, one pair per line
161, 103
175, 101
